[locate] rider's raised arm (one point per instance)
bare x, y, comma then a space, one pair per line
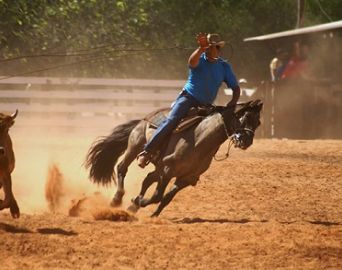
203, 43
195, 57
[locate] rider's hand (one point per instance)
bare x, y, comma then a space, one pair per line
202, 40
231, 105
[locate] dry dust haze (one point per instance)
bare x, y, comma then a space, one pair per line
50, 176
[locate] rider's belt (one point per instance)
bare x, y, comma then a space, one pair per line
184, 93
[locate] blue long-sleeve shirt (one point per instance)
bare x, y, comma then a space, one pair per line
206, 78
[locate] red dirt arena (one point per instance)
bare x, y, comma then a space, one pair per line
277, 205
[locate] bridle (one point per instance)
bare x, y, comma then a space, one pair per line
234, 139
245, 129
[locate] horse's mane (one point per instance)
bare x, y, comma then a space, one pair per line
247, 106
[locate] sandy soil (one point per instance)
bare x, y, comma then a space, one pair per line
277, 205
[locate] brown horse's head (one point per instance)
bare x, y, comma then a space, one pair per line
6, 121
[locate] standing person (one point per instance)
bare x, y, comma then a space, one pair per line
207, 72
297, 66
278, 64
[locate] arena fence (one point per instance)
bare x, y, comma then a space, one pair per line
83, 103
301, 110
80, 105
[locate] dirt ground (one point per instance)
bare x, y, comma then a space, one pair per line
277, 205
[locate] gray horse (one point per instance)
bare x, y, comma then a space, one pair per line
185, 156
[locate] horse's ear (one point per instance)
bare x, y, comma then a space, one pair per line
259, 105
256, 105
244, 108
253, 103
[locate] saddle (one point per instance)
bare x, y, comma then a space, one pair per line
194, 116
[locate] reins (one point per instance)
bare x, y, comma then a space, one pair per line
231, 142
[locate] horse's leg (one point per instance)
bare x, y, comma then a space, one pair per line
179, 185
1, 201
121, 174
147, 182
9, 200
7, 190
163, 181
135, 145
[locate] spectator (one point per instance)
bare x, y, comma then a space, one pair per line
297, 64
278, 64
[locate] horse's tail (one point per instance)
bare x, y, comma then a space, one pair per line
104, 153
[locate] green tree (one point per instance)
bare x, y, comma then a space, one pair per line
146, 38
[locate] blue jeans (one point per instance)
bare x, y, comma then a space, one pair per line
178, 111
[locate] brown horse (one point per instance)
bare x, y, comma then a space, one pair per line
7, 163
185, 156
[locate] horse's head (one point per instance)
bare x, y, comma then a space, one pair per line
6, 121
248, 121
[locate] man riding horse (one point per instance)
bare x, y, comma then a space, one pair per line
207, 72
187, 153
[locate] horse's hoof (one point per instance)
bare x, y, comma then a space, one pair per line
4, 204
133, 208
14, 209
115, 202
15, 213
137, 200
154, 215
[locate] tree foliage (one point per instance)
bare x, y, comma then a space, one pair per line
138, 38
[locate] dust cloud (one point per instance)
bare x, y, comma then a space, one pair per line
54, 187
96, 206
50, 176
